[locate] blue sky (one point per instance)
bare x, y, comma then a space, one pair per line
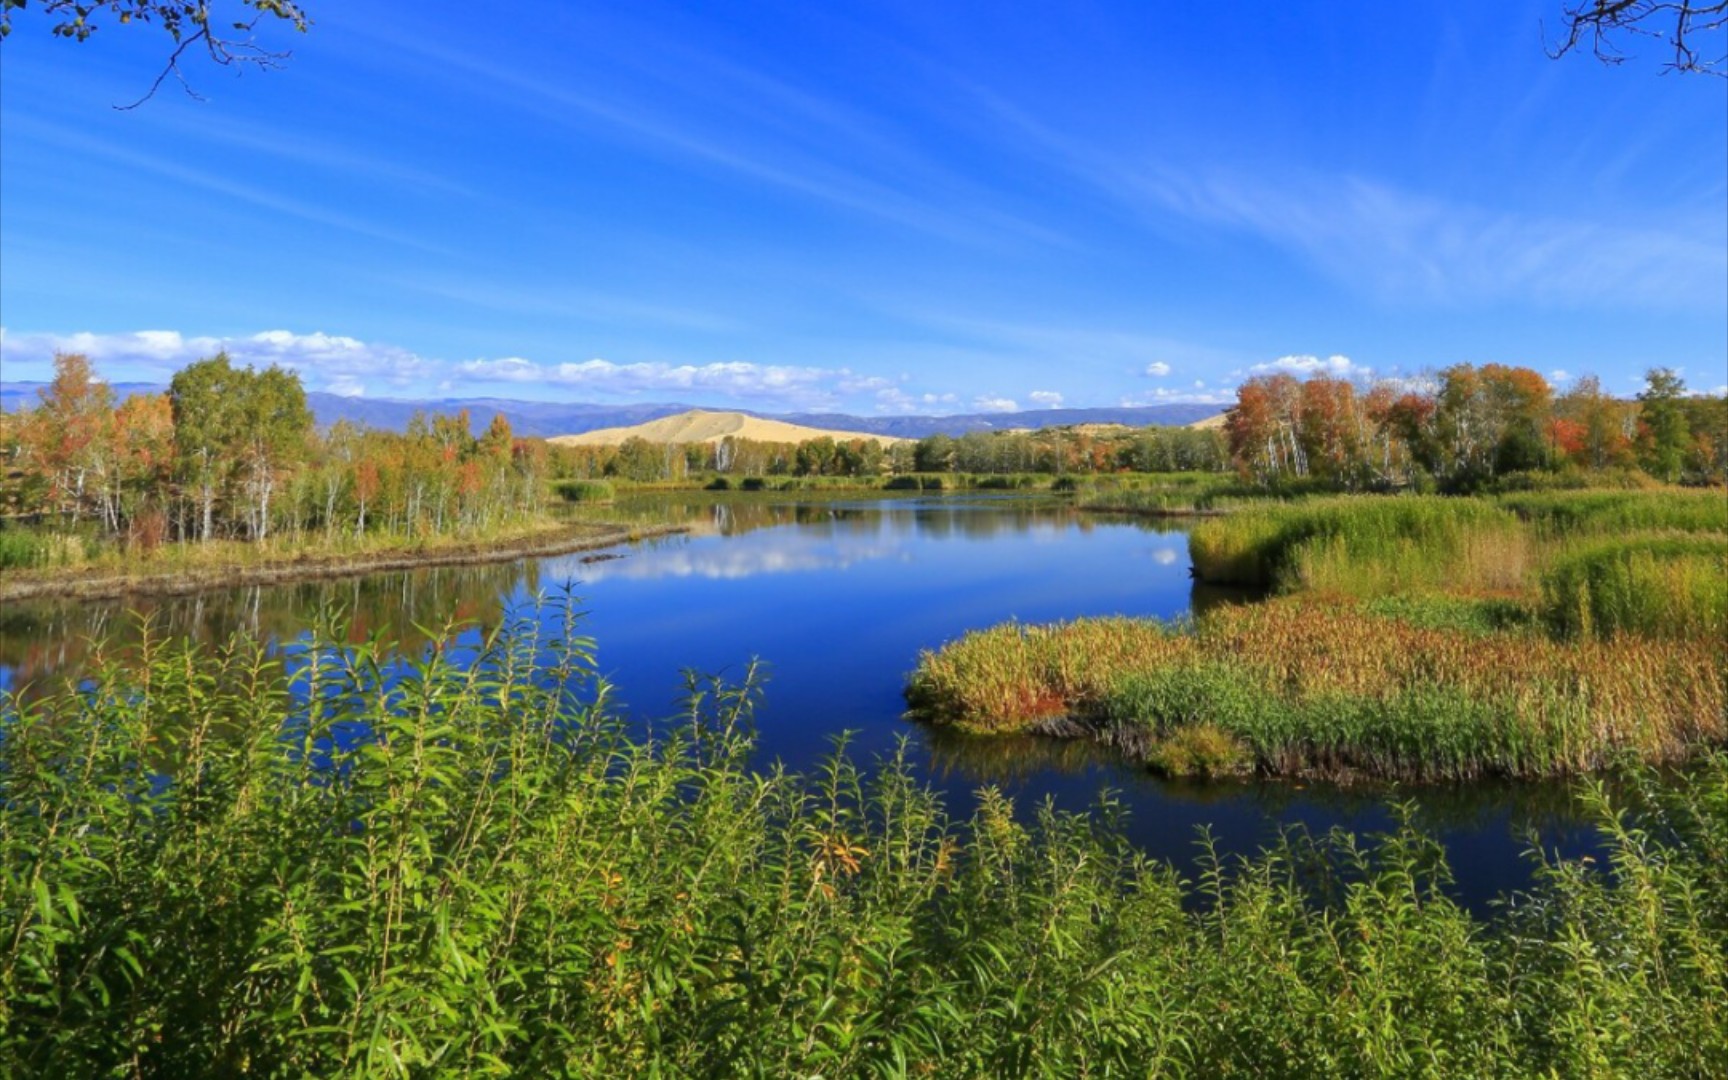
893, 207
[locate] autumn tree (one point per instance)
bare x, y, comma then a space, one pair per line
1590, 426
144, 449
70, 437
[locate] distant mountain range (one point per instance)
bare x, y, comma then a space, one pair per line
545, 418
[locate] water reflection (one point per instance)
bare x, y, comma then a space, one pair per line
43, 638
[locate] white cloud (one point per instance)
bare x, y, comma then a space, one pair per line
1557, 376
1048, 399
1163, 395
1339, 367
350, 366
1157, 369
995, 404
324, 361
895, 401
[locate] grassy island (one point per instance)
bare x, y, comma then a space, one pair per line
1415, 637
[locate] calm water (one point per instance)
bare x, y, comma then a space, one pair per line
836, 598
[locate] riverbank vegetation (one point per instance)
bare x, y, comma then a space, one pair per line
230, 456
1414, 637
222, 862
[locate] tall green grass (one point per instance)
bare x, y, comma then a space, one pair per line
585, 491
1360, 545
1661, 586
467, 866
1580, 513
22, 549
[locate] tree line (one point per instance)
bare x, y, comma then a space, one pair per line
232, 453
1468, 426
1054, 451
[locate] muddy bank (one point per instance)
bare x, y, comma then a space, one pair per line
306, 566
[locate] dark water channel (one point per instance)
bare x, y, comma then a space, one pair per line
837, 598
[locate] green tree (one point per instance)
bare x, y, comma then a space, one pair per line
934, 453
235, 430
203, 396
275, 423
1663, 434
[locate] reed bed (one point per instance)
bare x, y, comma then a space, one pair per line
1672, 586
585, 491
222, 862
1337, 690
1364, 545
1595, 513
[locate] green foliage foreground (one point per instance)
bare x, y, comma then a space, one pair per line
215, 865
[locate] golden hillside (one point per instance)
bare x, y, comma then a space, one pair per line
702, 426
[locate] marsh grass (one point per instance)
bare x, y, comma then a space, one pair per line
1599, 513
1196, 493
1336, 689
1655, 586
1361, 545
585, 491
223, 862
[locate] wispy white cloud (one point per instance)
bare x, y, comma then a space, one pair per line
755, 142
1402, 244
1045, 399
995, 404
1157, 369
1386, 240
70, 138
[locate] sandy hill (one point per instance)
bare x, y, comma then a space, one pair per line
1209, 422
700, 426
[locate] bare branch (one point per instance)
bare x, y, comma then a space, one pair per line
1693, 29
228, 42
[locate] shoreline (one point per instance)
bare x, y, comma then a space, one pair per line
305, 566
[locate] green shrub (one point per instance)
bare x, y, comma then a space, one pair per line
585, 491
22, 549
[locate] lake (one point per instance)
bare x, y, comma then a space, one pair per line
836, 597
